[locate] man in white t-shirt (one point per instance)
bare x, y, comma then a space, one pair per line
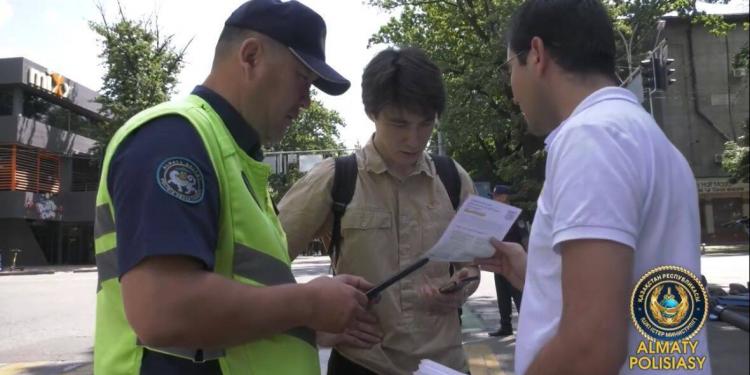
618, 201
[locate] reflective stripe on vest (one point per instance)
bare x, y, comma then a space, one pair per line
248, 263
195, 355
103, 222
261, 267
251, 248
106, 267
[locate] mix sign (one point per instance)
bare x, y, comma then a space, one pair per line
48, 81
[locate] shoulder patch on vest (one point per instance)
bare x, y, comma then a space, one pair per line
182, 179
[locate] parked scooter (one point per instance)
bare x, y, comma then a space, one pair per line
732, 308
13, 266
743, 221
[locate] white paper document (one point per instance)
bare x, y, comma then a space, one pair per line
468, 234
428, 367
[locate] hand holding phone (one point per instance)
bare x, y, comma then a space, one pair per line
373, 293
456, 285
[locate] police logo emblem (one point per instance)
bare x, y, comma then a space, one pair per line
668, 304
182, 179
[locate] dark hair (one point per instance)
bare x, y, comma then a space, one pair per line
404, 78
229, 38
578, 34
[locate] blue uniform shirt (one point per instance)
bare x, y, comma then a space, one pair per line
166, 198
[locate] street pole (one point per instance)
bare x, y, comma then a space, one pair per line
658, 96
441, 146
658, 102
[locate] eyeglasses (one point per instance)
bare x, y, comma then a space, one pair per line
505, 67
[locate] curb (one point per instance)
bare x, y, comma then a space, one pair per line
82, 270
45, 272
22, 273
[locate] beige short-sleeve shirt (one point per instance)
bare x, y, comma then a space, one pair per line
389, 224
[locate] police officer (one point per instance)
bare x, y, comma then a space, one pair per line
194, 274
504, 290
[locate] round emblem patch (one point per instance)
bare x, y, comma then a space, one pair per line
182, 179
669, 304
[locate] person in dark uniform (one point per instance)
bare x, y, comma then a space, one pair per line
505, 291
194, 273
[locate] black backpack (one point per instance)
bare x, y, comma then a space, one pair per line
345, 181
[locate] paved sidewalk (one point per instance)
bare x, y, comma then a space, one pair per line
47, 270
487, 355
729, 346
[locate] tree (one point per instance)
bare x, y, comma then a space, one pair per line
635, 23
736, 157
742, 59
481, 128
141, 69
316, 128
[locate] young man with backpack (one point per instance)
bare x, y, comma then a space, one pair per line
385, 207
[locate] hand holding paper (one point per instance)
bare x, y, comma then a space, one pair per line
466, 238
509, 260
468, 234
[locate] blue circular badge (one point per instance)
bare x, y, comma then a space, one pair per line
669, 304
182, 179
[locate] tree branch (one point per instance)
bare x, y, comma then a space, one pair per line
472, 19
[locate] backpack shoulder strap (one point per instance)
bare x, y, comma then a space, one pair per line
446, 169
342, 191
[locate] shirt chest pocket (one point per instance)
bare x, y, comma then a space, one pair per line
357, 220
363, 228
368, 242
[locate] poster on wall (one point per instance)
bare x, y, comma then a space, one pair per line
43, 206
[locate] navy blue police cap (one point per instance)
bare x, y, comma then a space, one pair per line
297, 27
501, 189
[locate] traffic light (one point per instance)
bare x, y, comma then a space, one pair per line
663, 74
648, 73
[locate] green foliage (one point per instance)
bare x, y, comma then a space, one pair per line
141, 69
736, 159
635, 25
280, 183
316, 128
742, 58
482, 129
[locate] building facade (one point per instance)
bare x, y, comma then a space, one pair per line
706, 107
48, 178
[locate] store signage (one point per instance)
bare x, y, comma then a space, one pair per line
721, 186
48, 81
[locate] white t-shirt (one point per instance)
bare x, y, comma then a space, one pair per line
611, 174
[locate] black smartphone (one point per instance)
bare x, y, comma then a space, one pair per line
455, 286
374, 292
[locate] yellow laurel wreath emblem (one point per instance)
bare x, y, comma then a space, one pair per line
666, 317
669, 316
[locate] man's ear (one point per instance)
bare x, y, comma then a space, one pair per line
538, 55
249, 54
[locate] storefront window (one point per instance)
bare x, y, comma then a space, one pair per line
6, 102
726, 213
29, 169
42, 110
85, 174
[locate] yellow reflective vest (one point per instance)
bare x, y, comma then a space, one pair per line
251, 249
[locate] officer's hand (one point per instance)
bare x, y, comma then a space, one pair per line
336, 302
364, 333
355, 281
509, 260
